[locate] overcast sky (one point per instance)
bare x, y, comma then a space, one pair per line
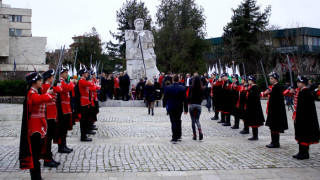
60, 20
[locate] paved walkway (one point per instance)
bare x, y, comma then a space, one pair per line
133, 145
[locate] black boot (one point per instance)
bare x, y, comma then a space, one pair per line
200, 134
236, 123
274, 141
245, 129
62, 149
56, 162
227, 120
300, 151
304, 153
194, 135
152, 113
148, 110
216, 116
65, 145
223, 118
85, 139
50, 164
255, 134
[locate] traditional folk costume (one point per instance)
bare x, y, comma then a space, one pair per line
65, 121
305, 119
254, 114
33, 127
226, 103
276, 112
241, 105
234, 92
85, 104
51, 117
216, 99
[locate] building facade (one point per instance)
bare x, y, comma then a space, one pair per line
301, 45
18, 46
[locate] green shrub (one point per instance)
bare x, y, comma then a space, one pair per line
13, 88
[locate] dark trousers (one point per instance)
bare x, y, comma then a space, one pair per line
63, 126
117, 93
175, 118
36, 143
51, 129
103, 94
208, 97
84, 121
213, 106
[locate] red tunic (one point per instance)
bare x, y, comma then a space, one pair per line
51, 112
65, 96
84, 91
295, 100
36, 112
116, 82
267, 94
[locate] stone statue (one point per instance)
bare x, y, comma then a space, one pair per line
136, 68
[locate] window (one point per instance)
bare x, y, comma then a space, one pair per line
18, 18
315, 41
15, 32
12, 18
309, 41
18, 32
11, 32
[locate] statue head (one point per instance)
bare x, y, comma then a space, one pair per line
138, 24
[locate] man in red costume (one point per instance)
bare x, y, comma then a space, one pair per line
33, 126
64, 111
51, 116
83, 88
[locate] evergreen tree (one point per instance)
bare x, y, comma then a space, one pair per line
87, 45
242, 36
130, 11
179, 43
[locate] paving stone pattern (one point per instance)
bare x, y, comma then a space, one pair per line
129, 140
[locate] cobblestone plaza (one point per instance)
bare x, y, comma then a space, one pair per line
130, 144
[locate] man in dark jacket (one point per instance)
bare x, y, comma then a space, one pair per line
103, 95
175, 101
276, 111
125, 86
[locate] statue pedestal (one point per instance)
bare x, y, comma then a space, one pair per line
135, 70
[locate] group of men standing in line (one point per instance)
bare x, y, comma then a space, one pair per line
242, 100
50, 111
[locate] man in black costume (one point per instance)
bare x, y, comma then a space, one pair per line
276, 111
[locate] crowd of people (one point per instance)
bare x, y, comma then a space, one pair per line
51, 109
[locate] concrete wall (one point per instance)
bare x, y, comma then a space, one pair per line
34, 49
4, 37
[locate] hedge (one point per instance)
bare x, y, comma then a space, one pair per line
13, 88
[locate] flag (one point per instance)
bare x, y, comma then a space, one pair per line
14, 65
70, 70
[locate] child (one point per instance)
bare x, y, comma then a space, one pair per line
133, 92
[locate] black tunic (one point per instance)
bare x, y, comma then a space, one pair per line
254, 114
277, 117
306, 124
226, 103
217, 97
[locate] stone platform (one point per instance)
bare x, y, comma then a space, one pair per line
130, 103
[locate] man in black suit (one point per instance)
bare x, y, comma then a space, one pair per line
175, 101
